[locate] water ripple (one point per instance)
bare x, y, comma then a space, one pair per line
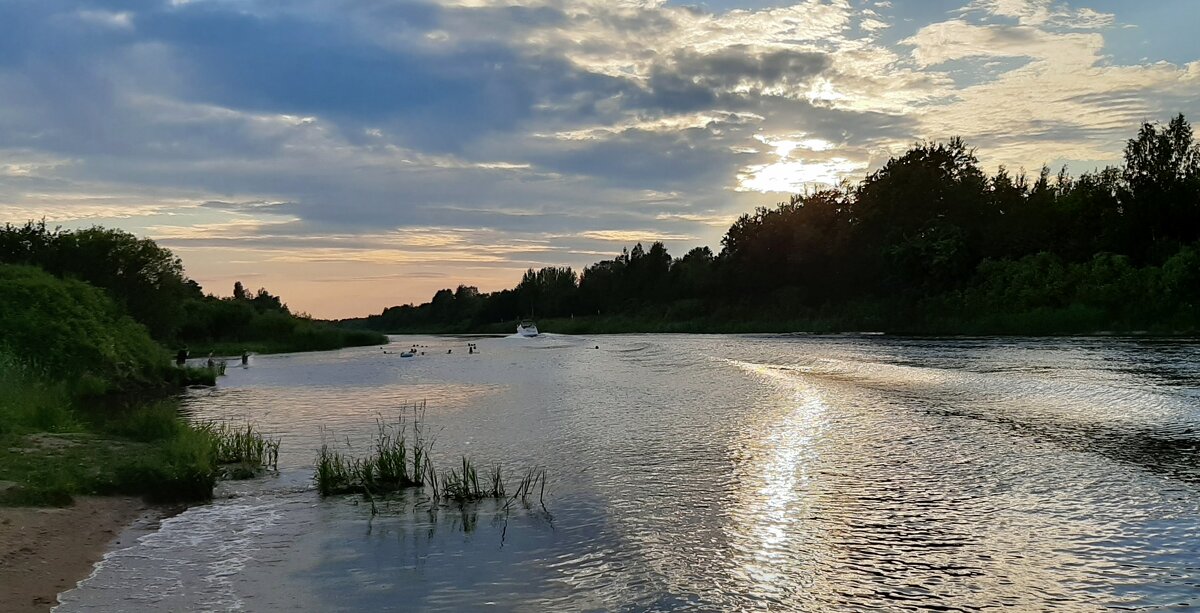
714, 473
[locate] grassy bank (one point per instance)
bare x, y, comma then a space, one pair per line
87, 404
55, 446
323, 339
52, 448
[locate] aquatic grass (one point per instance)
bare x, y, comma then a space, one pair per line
462, 484
335, 473
398, 462
242, 453
534, 478
497, 483
402, 459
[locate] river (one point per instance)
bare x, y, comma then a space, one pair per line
708, 473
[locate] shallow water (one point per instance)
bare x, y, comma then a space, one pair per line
710, 473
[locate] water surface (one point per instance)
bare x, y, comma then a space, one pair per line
710, 473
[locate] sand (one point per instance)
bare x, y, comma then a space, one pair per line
46, 551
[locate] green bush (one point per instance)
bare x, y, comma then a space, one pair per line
29, 403
182, 468
68, 329
148, 423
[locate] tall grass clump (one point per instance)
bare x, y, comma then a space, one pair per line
335, 473
147, 423
183, 468
462, 484
401, 460
241, 452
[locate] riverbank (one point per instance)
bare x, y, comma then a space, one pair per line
342, 339
45, 551
1016, 325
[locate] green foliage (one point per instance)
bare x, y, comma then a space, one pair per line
142, 278
70, 330
29, 403
146, 450
182, 468
145, 423
147, 283
229, 326
71, 359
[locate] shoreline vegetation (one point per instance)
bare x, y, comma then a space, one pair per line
89, 320
927, 245
1019, 325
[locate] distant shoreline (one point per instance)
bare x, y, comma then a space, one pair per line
584, 326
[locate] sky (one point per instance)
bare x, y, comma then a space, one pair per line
351, 155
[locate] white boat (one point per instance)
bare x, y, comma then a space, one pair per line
527, 328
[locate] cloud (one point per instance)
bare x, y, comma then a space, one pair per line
424, 138
624, 237
1041, 13
122, 20
954, 40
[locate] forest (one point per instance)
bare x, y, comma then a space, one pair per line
927, 244
147, 282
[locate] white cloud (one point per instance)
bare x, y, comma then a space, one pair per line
122, 20
791, 175
954, 40
1040, 13
624, 237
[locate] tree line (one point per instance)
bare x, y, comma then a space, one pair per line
148, 282
928, 243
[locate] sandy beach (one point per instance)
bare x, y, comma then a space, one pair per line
44, 551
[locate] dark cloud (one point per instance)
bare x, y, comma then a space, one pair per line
250, 206
731, 66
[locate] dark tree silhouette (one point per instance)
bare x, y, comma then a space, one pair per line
928, 242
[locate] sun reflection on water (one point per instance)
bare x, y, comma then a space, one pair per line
773, 547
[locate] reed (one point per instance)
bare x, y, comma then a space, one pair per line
462, 484
533, 479
401, 459
242, 453
334, 473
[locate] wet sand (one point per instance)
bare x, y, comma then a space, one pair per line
46, 551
